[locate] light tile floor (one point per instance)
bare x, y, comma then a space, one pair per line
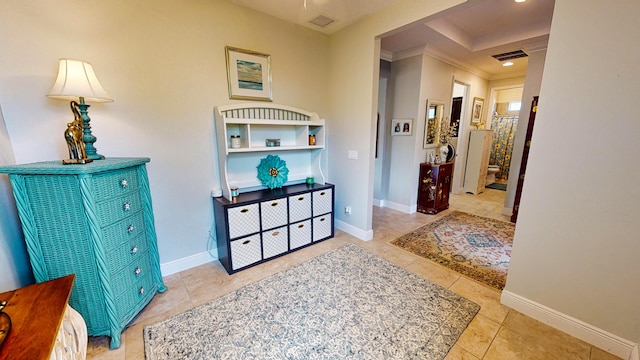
495, 333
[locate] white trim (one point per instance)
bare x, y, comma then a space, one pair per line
407, 209
404, 54
378, 202
588, 333
507, 211
386, 55
365, 235
175, 266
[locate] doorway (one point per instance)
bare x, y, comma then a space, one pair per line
459, 101
506, 103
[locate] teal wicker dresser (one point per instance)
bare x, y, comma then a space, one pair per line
94, 221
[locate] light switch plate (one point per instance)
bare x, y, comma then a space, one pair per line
352, 155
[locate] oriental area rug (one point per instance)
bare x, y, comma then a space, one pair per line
474, 246
348, 303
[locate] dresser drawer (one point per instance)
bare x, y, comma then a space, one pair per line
322, 202
275, 242
133, 298
126, 252
129, 275
243, 220
110, 211
114, 183
124, 230
300, 234
299, 207
245, 251
321, 227
273, 213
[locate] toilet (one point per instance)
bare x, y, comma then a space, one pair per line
491, 174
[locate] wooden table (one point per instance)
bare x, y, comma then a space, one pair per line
36, 312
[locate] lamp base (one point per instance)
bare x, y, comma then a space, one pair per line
95, 157
76, 161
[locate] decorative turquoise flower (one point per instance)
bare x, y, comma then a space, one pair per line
272, 172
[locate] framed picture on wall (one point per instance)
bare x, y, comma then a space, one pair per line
476, 110
402, 127
248, 74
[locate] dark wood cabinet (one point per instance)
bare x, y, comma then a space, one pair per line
434, 185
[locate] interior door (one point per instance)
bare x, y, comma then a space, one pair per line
525, 156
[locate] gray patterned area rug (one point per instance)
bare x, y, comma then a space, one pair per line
348, 303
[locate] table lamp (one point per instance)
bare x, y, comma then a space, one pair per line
77, 81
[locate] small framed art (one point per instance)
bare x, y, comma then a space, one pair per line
476, 110
402, 127
248, 74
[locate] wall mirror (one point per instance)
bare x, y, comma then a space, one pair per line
433, 119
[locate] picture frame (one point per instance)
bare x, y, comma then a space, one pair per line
248, 74
476, 110
402, 127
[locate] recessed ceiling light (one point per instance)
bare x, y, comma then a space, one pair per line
508, 63
521, 0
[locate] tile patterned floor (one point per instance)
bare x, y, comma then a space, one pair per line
495, 333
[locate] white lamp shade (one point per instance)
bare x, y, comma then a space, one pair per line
76, 79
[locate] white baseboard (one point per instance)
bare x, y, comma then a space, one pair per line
400, 207
507, 211
378, 202
175, 266
572, 326
365, 235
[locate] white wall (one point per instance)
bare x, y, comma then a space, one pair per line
353, 81
533, 80
577, 242
416, 80
163, 62
402, 175
14, 261
438, 79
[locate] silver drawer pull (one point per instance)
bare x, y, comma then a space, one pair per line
300, 226
134, 249
246, 242
275, 233
275, 203
124, 183
130, 229
244, 211
137, 271
141, 291
126, 206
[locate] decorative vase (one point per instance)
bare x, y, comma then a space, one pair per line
444, 151
431, 158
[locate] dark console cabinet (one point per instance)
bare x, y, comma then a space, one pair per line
434, 185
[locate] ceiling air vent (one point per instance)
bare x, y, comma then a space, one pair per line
510, 55
322, 21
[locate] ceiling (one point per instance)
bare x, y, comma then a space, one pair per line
466, 35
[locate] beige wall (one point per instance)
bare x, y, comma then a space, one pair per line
163, 62
577, 242
353, 84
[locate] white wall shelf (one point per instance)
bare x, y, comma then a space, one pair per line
257, 122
